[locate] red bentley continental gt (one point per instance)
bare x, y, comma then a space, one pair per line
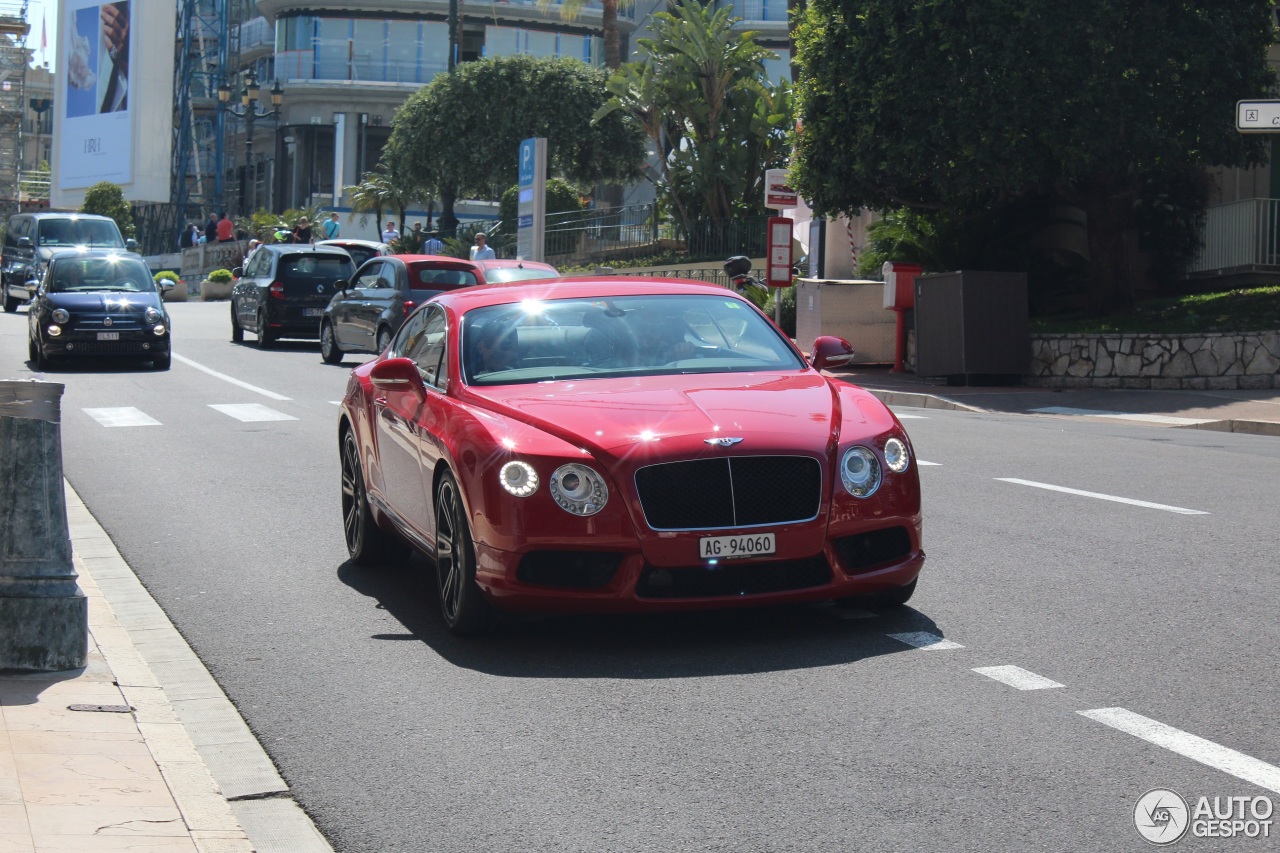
623, 445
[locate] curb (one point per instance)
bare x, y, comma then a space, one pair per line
214, 766
918, 401
1245, 427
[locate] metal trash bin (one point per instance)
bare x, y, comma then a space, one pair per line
973, 328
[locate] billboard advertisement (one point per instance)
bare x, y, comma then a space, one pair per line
96, 123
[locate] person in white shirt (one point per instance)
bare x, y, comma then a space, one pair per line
391, 233
481, 251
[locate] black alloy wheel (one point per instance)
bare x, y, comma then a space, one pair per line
264, 331
384, 339
237, 333
367, 543
329, 350
464, 607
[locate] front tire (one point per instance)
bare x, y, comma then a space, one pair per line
329, 350
384, 339
10, 304
367, 543
896, 597
462, 604
237, 333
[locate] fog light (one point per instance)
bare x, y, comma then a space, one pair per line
146, 346
53, 331
159, 330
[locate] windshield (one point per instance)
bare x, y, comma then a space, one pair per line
360, 254
497, 275
86, 274
536, 341
79, 232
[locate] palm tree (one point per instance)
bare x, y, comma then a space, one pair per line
382, 190
570, 9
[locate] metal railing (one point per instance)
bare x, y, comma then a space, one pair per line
1239, 234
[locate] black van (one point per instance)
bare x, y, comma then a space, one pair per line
31, 238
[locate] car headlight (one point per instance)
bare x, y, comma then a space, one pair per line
896, 455
153, 316
578, 489
159, 330
519, 479
53, 331
61, 315
860, 472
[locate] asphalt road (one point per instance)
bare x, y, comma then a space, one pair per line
795, 729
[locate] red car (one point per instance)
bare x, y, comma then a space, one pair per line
623, 445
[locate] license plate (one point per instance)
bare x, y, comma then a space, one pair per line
730, 547
108, 336
312, 312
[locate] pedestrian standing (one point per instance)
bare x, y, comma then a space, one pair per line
417, 236
433, 244
302, 231
391, 233
481, 251
226, 229
211, 229
332, 227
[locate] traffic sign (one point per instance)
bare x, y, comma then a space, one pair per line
1258, 116
778, 271
777, 194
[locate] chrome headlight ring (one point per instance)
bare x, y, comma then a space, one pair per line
896, 455
519, 478
60, 315
152, 316
860, 471
578, 489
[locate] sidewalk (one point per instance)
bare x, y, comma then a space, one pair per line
1256, 412
140, 750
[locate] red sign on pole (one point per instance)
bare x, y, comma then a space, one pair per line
777, 194
778, 270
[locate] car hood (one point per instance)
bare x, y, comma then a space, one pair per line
769, 413
113, 301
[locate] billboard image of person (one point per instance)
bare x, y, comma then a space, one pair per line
97, 133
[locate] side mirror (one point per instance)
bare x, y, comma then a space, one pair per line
24, 242
397, 375
237, 272
737, 265
829, 351
131, 245
341, 285
32, 286
166, 285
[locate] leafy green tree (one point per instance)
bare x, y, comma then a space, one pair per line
965, 108
107, 199
701, 95
562, 198
384, 188
450, 136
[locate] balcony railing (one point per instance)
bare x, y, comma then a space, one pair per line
1238, 235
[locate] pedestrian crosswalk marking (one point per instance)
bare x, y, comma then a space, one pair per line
925, 640
251, 412
121, 416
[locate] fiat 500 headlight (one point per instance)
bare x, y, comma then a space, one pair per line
60, 315
153, 316
860, 472
896, 455
578, 489
519, 479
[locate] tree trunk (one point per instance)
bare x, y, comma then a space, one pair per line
448, 222
1111, 262
612, 39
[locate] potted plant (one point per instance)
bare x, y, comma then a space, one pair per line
216, 286
178, 293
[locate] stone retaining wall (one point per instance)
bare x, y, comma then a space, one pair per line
1217, 361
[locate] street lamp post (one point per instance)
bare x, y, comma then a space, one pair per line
250, 110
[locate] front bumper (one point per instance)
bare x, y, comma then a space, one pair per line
137, 344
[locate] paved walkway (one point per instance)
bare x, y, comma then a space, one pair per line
141, 750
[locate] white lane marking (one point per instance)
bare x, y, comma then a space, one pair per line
1196, 748
123, 416
225, 378
922, 462
925, 640
336, 402
1016, 676
251, 412
1102, 497
1122, 416
903, 417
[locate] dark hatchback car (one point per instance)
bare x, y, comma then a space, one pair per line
283, 290
364, 314
98, 303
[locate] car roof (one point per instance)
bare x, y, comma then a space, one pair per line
64, 214
543, 289
281, 248
73, 252
342, 241
500, 263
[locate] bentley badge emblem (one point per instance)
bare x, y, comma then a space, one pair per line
722, 442
107, 321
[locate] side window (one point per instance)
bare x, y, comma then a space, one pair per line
408, 335
369, 276
259, 264
428, 350
11, 233
387, 278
